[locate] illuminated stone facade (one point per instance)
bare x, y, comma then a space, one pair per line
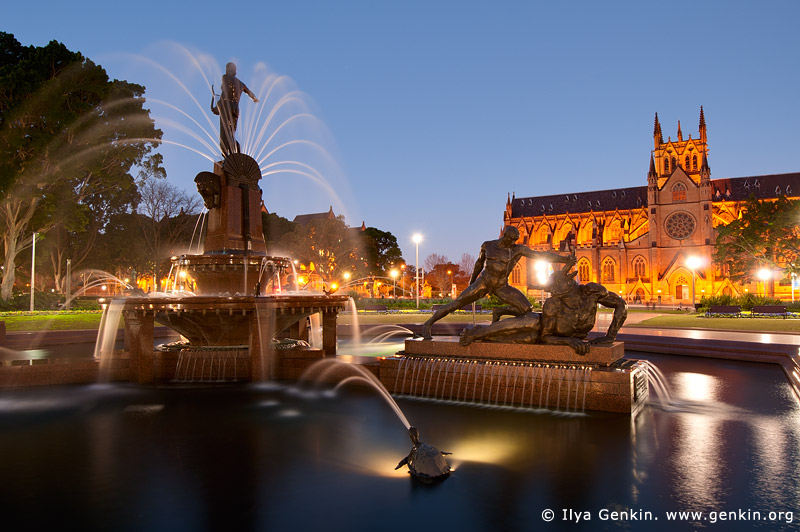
636, 240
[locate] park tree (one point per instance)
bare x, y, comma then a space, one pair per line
69, 140
436, 272
765, 235
167, 218
327, 243
276, 228
380, 251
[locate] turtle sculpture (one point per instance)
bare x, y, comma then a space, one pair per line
425, 462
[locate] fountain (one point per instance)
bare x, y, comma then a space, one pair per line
530, 355
229, 309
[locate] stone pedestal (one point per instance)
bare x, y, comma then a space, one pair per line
236, 223
531, 376
601, 355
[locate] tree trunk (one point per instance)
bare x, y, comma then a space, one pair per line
9, 271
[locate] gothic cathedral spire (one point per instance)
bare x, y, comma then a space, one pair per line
658, 137
703, 138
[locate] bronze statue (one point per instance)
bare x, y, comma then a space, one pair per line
490, 276
566, 318
228, 109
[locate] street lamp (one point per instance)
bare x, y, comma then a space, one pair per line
450, 273
393, 274
693, 263
346, 276
417, 238
764, 274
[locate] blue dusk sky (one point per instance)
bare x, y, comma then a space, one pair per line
421, 116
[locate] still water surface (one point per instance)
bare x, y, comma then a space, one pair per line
259, 457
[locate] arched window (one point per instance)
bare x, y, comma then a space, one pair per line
585, 233
674, 163
584, 271
639, 267
608, 270
613, 231
694, 162
666, 165
515, 275
544, 232
686, 162
679, 192
563, 233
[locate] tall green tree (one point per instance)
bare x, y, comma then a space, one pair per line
380, 251
69, 139
765, 235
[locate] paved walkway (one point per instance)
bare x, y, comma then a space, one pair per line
603, 320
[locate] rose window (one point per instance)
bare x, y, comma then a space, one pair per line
680, 225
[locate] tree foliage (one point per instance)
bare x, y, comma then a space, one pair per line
69, 139
325, 243
765, 235
380, 251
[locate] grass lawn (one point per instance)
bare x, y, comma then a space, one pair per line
45, 321
677, 321
40, 321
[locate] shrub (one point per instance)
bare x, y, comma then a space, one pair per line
22, 301
747, 301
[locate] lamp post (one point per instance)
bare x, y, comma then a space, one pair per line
393, 274
693, 263
33, 266
417, 238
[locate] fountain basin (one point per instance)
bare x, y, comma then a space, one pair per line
224, 272
227, 321
525, 375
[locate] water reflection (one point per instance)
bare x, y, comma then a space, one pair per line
253, 457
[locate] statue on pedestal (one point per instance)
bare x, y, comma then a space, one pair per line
228, 109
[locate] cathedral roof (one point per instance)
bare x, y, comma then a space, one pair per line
599, 200
726, 189
763, 186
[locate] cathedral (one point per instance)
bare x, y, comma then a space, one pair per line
650, 243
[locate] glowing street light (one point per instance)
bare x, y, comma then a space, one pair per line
693, 262
541, 268
417, 238
393, 275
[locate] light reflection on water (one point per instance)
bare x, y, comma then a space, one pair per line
252, 457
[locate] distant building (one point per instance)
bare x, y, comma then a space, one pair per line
636, 241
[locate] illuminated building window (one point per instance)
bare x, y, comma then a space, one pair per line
694, 162
666, 165
515, 275
608, 270
686, 162
679, 192
674, 163
584, 269
639, 267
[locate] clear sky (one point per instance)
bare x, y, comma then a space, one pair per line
434, 111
